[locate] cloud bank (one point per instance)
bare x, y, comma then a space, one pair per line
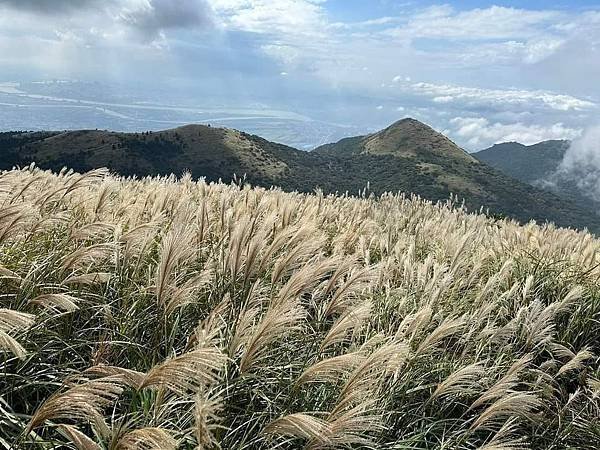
582, 163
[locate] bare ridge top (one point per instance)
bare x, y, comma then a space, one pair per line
410, 137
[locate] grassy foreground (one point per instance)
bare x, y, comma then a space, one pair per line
163, 313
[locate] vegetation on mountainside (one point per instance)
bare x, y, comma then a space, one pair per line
528, 163
539, 165
408, 156
160, 313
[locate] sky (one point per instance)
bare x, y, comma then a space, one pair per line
481, 72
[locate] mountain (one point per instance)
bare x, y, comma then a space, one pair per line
412, 157
528, 163
538, 165
408, 156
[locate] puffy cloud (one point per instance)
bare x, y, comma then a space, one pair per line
445, 93
49, 6
479, 132
582, 163
153, 16
272, 16
149, 17
495, 22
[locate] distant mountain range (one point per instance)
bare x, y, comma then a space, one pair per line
539, 165
408, 156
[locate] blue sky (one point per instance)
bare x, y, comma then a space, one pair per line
482, 72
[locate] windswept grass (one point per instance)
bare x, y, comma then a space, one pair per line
164, 313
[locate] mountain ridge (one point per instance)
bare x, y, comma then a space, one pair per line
540, 166
407, 156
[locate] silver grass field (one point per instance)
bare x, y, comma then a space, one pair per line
164, 313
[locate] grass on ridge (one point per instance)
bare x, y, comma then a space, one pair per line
163, 313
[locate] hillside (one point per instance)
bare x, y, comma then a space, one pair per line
407, 156
412, 157
528, 163
538, 165
172, 314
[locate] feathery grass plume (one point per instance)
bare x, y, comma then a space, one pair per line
188, 372
257, 246
575, 294
301, 425
56, 302
237, 242
356, 283
175, 250
346, 265
280, 319
594, 385
12, 220
10, 344
350, 427
458, 255
527, 288
108, 188
207, 408
9, 274
26, 186
513, 404
77, 438
128, 377
560, 351
85, 180
294, 257
465, 381
84, 402
576, 362
208, 330
11, 320
136, 237
330, 370
505, 438
365, 380
244, 328
536, 324
412, 324
175, 297
96, 230
89, 279
446, 329
306, 279
506, 384
351, 320
85, 256
150, 438
290, 237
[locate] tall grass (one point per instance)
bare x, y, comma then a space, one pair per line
160, 313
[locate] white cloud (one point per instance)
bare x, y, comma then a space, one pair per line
272, 16
582, 163
151, 17
495, 22
446, 93
479, 132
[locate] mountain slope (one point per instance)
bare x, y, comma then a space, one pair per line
538, 165
407, 156
526, 163
413, 157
